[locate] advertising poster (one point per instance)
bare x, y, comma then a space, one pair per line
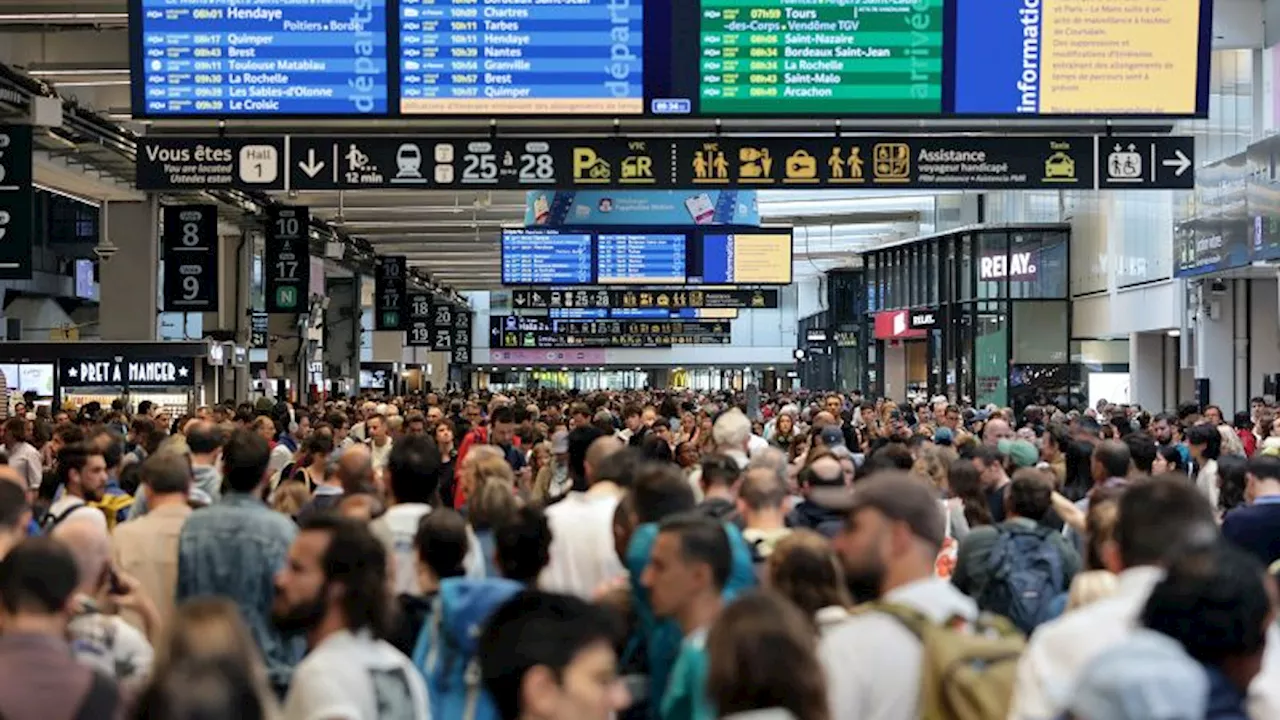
547, 208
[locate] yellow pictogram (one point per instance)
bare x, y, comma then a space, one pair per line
709, 165
755, 165
637, 167
589, 167
892, 162
846, 168
801, 167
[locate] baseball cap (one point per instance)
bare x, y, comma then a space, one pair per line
1146, 676
943, 436
560, 443
1021, 452
831, 436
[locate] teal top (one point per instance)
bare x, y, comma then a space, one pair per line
686, 696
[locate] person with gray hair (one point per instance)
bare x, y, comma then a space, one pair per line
350, 470
101, 638
730, 435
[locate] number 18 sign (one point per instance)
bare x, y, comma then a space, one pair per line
189, 241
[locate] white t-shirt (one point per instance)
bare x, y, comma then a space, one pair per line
398, 526
69, 501
351, 676
582, 547
380, 454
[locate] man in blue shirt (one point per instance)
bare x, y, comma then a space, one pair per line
1255, 527
236, 547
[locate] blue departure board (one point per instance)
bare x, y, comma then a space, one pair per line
269, 57
546, 258
515, 57
641, 259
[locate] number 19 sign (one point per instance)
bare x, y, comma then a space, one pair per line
189, 240
287, 260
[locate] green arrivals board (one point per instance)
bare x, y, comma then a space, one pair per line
797, 57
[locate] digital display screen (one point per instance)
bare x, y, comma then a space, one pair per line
746, 259
764, 57
513, 57
270, 57
670, 58
641, 259
546, 257
649, 256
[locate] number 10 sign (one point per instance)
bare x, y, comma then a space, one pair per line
189, 239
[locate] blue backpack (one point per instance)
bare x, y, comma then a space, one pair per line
1026, 576
445, 653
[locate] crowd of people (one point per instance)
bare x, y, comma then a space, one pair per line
672, 555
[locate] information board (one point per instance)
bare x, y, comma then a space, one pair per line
642, 256
747, 258
287, 260
189, 243
513, 57
390, 292
17, 202
798, 57
644, 298
641, 259
543, 257
514, 331
223, 58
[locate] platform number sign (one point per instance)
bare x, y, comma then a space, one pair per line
189, 239
461, 352
419, 328
287, 260
442, 326
390, 293
17, 203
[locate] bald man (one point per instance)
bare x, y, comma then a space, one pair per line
105, 641
582, 557
995, 430
351, 473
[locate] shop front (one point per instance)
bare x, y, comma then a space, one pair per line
981, 313
170, 383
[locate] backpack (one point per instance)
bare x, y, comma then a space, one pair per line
969, 668
445, 653
49, 521
1025, 574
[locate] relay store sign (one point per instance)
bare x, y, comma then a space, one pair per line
1014, 266
177, 372
896, 325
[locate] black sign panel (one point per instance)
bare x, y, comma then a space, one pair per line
644, 299
462, 325
511, 332
113, 372
418, 331
287, 261
1135, 163
17, 203
923, 319
189, 239
442, 321
258, 333
204, 163
852, 161
391, 297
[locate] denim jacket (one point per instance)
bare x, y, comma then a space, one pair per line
233, 549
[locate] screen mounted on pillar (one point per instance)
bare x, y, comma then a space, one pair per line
701, 58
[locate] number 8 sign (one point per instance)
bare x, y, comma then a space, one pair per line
189, 239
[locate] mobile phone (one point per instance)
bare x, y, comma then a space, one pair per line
114, 585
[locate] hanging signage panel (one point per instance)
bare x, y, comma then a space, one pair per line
418, 332
287, 261
463, 322
709, 165
168, 162
189, 241
17, 203
119, 372
511, 331
390, 296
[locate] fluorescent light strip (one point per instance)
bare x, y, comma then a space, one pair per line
91, 83
61, 17
67, 195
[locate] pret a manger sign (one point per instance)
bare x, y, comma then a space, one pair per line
119, 373
1015, 266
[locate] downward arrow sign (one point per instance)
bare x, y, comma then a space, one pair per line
311, 167
1181, 162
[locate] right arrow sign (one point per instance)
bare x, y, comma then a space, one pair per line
1146, 163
